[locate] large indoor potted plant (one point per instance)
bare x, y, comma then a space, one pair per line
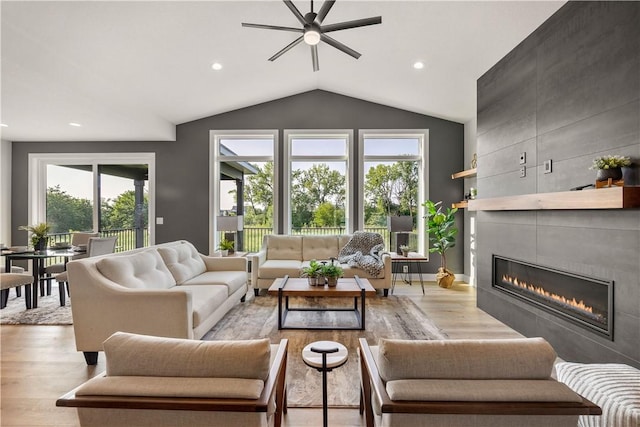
442, 237
39, 233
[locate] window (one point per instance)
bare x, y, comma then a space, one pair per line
317, 184
243, 178
76, 192
393, 179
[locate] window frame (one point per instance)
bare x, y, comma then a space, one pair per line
288, 159
423, 172
37, 185
215, 158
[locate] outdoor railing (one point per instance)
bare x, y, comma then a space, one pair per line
126, 238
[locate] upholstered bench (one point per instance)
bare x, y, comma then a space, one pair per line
613, 387
480, 383
156, 381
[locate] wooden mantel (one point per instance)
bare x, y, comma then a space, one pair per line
602, 198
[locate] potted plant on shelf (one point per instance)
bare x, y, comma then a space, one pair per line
225, 246
332, 272
405, 250
313, 273
442, 236
39, 233
610, 166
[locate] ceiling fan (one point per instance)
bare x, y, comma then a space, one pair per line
313, 32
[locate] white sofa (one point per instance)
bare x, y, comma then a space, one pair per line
282, 255
153, 381
470, 383
167, 290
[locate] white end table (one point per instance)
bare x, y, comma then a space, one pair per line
325, 356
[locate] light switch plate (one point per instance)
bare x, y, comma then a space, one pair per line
523, 171
547, 166
523, 158
159, 220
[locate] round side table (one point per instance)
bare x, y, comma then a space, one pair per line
325, 356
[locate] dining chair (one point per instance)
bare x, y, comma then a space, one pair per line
78, 239
96, 246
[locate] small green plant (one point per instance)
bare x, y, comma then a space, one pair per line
38, 232
404, 248
225, 245
331, 271
313, 270
610, 162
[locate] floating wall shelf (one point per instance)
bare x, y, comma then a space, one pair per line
602, 198
460, 205
464, 174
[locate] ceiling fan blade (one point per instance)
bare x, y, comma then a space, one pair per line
335, 43
295, 11
286, 48
314, 57
326, 7
352, 24
272, 27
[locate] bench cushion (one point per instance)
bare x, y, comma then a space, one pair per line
141, 355
481, 391
183, 261
526, 358
142, 270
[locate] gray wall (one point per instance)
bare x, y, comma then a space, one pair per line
182, 167
569, 92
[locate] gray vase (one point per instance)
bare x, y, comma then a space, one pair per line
613, 173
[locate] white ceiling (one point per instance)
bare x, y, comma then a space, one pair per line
133, 70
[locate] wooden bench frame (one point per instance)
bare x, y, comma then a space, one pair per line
371, 382
275, 383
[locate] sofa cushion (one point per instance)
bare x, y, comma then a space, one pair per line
273, 269
351, 271
232, 280
183, 261
142, 270
204, 299
142, 355
283, 247
526, 358
319, 247
481, 390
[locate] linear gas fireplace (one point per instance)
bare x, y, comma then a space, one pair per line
586, 301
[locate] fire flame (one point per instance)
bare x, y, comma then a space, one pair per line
580, 305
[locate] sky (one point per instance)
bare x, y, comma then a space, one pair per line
78, 183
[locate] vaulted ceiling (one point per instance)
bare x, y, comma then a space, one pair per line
133, 70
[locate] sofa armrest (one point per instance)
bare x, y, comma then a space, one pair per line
225, 263
257, 259
386, 261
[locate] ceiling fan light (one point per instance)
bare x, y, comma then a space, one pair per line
311, 37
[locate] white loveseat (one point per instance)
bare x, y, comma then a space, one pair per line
282, 255
167, 290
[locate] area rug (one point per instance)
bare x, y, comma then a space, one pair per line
48, 312
392, 317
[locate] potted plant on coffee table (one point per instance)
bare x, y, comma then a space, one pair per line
225, 246
442, 236
313, 273
332, 272
39, 233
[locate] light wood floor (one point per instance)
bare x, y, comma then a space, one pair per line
40, 363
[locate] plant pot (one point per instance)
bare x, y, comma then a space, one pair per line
313, 281
42, 244
332, 282
405, 254
445, 278
613, 173
224, 252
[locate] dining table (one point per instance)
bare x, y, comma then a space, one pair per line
37, 259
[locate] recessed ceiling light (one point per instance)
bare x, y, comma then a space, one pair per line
418, 65
3, 125
75, 124
217, 66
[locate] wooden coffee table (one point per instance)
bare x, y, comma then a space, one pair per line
356, 288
